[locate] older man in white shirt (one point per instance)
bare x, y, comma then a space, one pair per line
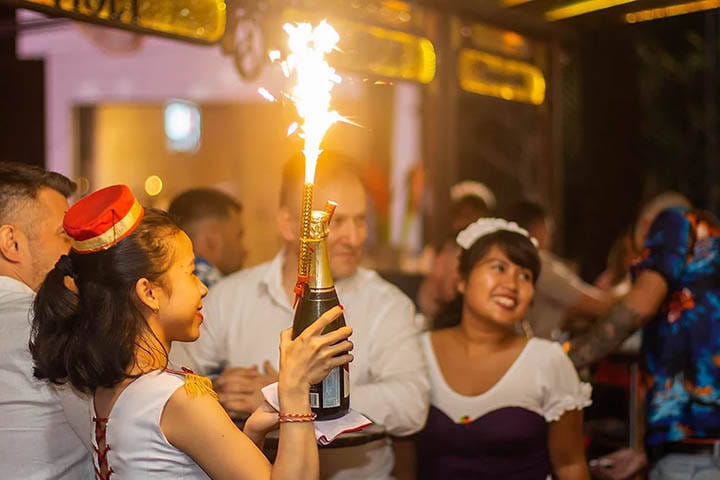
45, 431
246, 312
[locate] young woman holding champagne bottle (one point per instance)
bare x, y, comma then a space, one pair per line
105, 319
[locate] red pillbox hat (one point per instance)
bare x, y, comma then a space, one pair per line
103, 218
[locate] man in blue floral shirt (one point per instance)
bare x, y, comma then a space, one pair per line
676, 299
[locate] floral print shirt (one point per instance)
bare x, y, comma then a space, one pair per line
207, 273
681, 344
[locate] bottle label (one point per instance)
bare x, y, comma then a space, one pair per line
331, 389
346, 375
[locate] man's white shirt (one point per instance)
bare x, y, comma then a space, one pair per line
45, 431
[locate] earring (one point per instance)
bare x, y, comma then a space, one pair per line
156, 309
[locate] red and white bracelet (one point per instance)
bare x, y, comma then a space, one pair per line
297, 417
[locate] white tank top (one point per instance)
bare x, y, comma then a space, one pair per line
138, 448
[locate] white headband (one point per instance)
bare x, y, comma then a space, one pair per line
486, 226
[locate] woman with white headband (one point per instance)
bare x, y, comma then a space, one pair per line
503, 406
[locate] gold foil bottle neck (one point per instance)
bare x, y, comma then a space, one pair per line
320, 276
319, 225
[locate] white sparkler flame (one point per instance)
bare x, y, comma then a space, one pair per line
292, 128
274, 55
266, 94
314, 81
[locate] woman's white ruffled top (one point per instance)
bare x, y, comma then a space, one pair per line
542, 379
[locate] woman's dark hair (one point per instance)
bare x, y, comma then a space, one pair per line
518, 248
89, 337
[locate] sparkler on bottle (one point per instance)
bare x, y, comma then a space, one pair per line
315, 79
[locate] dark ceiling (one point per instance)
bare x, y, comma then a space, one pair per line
535, 16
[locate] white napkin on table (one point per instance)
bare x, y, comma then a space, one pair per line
325, 430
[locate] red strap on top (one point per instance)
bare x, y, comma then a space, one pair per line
300, 288
101, 449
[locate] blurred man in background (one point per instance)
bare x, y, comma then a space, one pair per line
213, 221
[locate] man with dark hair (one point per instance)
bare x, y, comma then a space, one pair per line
213, 221
559, 291
45, 430
250, 308
32, 204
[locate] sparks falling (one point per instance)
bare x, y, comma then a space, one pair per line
315, 80
266, 94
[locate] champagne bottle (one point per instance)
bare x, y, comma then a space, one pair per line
330, 398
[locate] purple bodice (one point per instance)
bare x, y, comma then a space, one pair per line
510, 443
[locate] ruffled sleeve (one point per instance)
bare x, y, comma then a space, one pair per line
562, 388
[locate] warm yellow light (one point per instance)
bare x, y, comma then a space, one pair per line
198, 20
153, 185
425, 52
499, 77
581, 8
671, 11
512, 39
503, 42
396, 5
512, 3
315, 80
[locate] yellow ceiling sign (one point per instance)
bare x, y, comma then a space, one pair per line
581, 8
671, 10
491, 75
195, 20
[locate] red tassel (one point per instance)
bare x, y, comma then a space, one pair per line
300, 288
